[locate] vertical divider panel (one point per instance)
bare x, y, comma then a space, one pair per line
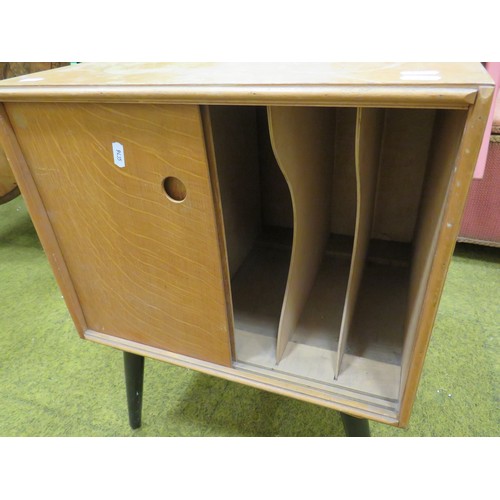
369, 128
303, 143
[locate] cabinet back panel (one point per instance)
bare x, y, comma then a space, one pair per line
234, 129
344, 173
276, 201
403, 159
145, 268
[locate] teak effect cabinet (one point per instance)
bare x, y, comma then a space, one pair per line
285, 226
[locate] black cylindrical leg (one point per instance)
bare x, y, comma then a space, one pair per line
134, 378
355, 427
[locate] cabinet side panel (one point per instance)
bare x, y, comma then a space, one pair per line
145, 267
449, 226
448, 132
40, 219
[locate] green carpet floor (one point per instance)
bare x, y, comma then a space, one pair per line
54, 384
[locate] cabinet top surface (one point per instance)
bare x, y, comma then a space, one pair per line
216, 81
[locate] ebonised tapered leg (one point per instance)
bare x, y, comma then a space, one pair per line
355, 427
134, 378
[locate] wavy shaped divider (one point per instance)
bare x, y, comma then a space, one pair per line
303, 143
369, 127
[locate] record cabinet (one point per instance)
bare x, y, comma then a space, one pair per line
285, 226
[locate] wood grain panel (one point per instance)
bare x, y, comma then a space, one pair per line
145, 268
303, 143
369, 128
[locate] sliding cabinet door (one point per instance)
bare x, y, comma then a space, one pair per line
127, 191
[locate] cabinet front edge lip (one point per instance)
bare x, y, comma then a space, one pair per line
337, 95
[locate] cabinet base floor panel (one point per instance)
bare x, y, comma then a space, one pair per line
372, 362
328, 395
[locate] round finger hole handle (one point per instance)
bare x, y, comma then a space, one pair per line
175, 189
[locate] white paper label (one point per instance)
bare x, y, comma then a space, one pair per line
118, 154
423, 75
31, 79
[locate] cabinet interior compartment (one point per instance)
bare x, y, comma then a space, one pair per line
258, 226
330, 216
